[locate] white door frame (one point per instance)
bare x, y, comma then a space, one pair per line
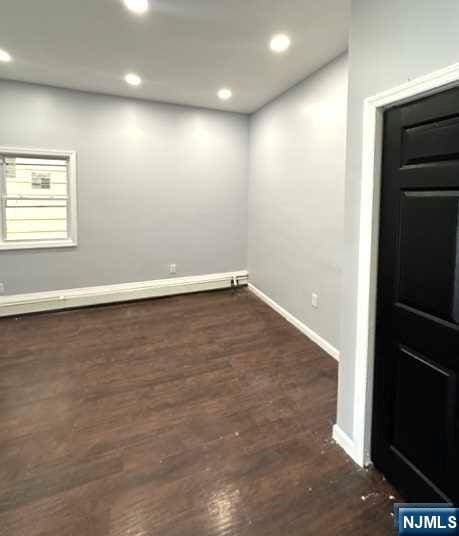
368, 243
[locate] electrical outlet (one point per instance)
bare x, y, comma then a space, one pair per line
173, 269
2, 288
315, 300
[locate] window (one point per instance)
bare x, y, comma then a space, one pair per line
38, 199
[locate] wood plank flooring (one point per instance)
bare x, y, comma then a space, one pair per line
204, 415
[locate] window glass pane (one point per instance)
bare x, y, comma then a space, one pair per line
35, 176
36, 236
34, 226
37, 203
39, 219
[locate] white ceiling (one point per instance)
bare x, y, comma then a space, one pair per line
185, 50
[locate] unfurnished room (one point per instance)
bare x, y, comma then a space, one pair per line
229, 267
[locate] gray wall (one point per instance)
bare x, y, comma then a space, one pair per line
296, 197
391, 42
158, 184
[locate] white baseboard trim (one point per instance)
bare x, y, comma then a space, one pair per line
315, 337
346, 443
81, 297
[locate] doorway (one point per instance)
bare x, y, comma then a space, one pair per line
356, 441
415, 401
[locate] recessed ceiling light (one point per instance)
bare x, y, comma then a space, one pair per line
4, 55
279, 43
137, 6
133, 79
225, 94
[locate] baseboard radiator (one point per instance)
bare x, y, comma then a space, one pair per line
18, 304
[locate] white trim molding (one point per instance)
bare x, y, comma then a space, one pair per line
315, 337
81, 297
72, 238
344, 441
374, 108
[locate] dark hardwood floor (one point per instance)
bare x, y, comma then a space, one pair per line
204, 414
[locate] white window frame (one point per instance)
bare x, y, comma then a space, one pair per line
72, 211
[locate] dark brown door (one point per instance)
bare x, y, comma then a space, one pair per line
415, 421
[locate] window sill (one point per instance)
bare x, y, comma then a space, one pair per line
50, 244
